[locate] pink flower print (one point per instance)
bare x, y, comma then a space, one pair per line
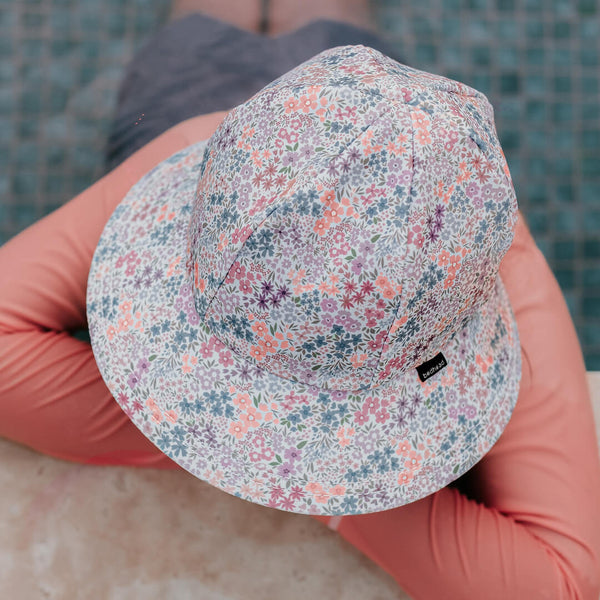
125, 306
251, 418
382, 415
225, 358
206, 350
296, 493
415, 236
290, 158
339, 250
342, 318
370, 405
444, 258
487, 191
244, 286
217, 343
422, 136
287, 503
472, 189
352, 325
367, 287
360, 417
237, 271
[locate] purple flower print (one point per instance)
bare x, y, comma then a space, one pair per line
292, 454
286, 469
307, 152
143, 365
394, 165
366, 247
472, 189
246, 171
291, 158
133, 380
404, 177
357, 265
329, 305
327, 319
343, 318
351, 325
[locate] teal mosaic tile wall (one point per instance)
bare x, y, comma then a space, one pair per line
537, 61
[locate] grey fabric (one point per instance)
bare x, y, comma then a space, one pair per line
197, 64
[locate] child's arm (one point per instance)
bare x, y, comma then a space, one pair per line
52, 396
531, 529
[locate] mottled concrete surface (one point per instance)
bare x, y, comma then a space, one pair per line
72, 531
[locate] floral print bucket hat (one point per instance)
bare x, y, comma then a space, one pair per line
305, 310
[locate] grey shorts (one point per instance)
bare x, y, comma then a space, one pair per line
197, 64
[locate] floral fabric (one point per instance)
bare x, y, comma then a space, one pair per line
258, 303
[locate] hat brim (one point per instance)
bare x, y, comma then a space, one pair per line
257, 436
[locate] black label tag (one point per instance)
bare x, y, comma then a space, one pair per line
431, 367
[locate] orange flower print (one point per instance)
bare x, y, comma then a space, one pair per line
321, 226
259, 328
257, 352
238, 429
405, 477
322, 497
422, 136
125, 307
443, 258
338, 490
291, 105
413, 462
251, 418
333, 215
171, 416
242, 400
312, 487
404, 448
308, 102
268, 344
327, 197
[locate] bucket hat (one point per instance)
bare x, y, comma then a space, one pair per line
305, 310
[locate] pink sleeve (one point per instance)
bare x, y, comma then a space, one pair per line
527, 526
53, 398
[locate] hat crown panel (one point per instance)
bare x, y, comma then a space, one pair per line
303, 136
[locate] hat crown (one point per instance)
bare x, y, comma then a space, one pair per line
348, 219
